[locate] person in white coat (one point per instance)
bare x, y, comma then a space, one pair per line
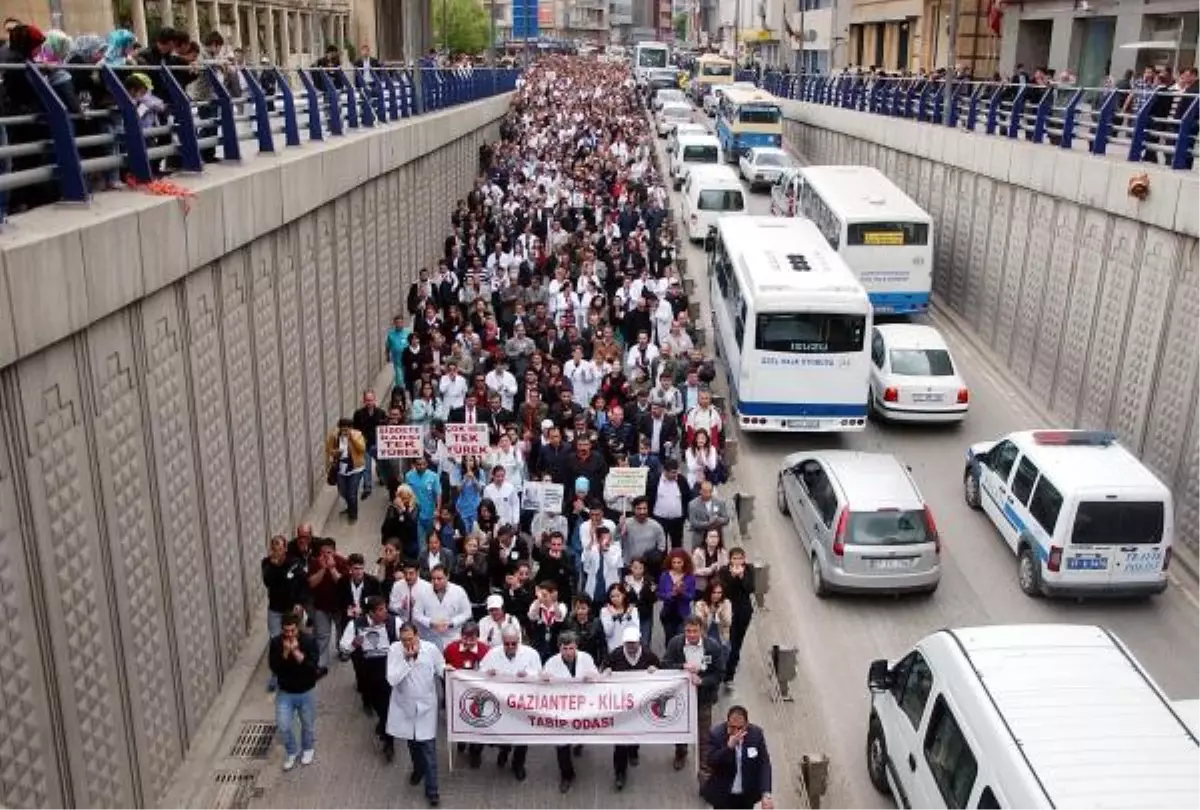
569, 665
413, 669
441, 611
601, 562
505, 497
512, 659
493, 625
407, 591
584, 377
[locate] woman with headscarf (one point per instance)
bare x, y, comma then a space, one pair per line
53, 53
121, 46
24, 42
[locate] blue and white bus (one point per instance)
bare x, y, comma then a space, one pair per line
791, 324
747, 118
885, 237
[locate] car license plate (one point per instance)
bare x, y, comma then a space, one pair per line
891, 564
928, 397
802, 424
1088, 563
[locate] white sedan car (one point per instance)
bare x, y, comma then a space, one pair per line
681, 130
666, 95
913, 376
762, 165
671, 114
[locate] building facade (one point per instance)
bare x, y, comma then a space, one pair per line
1094, 39
911, 35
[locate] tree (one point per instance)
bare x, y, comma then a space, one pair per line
461, 26
681, 26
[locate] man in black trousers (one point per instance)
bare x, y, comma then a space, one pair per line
631, 656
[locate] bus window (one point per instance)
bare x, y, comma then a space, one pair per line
720, 200
758, 115
810, 333
892, 234
716, 70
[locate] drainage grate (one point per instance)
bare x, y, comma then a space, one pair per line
234, 790
254, 740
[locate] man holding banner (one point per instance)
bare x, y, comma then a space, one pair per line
632, 656
571, 664
515, 660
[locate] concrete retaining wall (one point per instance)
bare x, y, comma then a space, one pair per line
167, 377
1088, 296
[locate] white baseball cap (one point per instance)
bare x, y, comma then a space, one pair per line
495, 601
631, 634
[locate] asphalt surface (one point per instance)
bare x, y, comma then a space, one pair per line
837, 638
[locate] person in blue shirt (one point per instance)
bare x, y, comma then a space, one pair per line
427, 486
397, 342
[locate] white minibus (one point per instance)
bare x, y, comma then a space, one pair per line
791, 323
709, 193
885, 237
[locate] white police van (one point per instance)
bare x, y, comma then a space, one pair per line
1082, 514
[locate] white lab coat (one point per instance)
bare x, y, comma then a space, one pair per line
584, 666
490, 631
592, 559
403, 598
413, 710
454, 607
526, 660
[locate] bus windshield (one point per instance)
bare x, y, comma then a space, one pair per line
716, 70
652, 58
758, 115
810, 333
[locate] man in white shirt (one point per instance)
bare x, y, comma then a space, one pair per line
413, 669
571, 664
512, 659
502, 381
641, 355
504, 495
442, 610
493, 625
367, 640
407, 591
584, 377
453, 387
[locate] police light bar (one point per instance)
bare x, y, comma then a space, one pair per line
1092, 438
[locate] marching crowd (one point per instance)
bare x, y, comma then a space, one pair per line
557, 320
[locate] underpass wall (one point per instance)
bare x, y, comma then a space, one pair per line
1087, 296
168, 372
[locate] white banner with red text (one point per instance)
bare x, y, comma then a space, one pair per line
623, 708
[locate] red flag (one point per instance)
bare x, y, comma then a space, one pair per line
995, 15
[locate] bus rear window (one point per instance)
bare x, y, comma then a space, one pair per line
758, 115
716, 70
721, 200
887, 234
1112, 523
652, 58
700, 154
810, 333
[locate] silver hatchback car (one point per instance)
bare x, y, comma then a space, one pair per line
862, 520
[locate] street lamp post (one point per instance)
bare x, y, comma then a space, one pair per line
948, 88
445, 27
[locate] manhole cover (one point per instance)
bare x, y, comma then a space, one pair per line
234, 790
254, 741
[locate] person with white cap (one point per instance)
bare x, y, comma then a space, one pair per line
632, 656
512, 659
493, 625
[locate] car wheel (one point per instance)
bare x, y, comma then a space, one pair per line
818, 579
971, 489
877, 757
781, 497
1029, 574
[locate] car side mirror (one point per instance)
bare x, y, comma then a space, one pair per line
879, 676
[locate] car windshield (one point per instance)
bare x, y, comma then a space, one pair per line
896, 527
770, 159
922, 363
677, 113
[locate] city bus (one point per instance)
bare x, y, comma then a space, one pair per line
791, 324
649, 56
747, 118
710, 70
885, 237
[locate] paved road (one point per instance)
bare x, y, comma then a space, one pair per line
837, 638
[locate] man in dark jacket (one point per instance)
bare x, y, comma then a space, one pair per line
669, 495
737, 579
631, 656
703, 659
585, 463
738, 748
292, 656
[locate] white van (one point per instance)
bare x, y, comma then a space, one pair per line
709, 192
1040, 715
1082, 514
693, 150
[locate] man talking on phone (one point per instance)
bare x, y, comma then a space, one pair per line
740, 764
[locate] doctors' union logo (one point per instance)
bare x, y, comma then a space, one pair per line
662, 708
479, 708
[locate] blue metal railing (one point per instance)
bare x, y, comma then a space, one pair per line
1066, 118
63, 150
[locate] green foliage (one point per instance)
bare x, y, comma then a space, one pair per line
465, 25
681, 26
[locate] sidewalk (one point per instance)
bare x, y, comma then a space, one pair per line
350, 772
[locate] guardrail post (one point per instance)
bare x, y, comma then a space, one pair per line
185, 123
938, 113
393, 97
952, 118
814, 773
315, 125
333, 96
1017, 112
973, 108
135, 139
762, 584
1069, 115
380, 95
993, 112
68, 165
784, 670
906, 105
1141, 122
360, 94
923, 100
352, 117
231, 147
1104, 120
262, 119
1182, 159
1041, 116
